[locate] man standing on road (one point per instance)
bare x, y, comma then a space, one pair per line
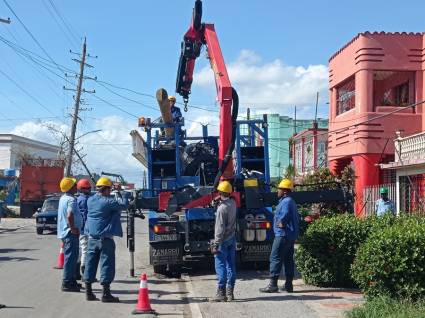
384, 204
84, 187
224, 245
103, 223
286, 230
68, 228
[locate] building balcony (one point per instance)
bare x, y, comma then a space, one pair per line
409, 151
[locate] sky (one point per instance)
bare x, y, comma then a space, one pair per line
276, 54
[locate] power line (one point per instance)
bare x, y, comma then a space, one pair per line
30, 34
26, 92
68, 26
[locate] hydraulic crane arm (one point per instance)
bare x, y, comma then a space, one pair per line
200, 34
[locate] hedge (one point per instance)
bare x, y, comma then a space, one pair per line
329, 246
392, 261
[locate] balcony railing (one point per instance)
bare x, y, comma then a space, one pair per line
410, 148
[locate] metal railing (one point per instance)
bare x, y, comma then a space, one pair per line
410, 148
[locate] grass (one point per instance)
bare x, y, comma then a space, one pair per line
384, 307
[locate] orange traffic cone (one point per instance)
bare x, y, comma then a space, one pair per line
61, 259
143, 304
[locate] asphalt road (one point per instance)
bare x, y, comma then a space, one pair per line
30, 287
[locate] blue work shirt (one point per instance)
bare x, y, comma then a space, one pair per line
103, 217
382, 207
176, 113
287, 213
82, 208
67, 204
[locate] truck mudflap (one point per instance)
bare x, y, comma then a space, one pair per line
166, 253
256, 251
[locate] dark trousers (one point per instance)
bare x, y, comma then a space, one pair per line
103, 251
282, 254
71, 249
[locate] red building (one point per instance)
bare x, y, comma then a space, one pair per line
371, 81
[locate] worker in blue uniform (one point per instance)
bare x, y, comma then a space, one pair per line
68, 230
384, 204
103, 223
224, 245
286, 231
175, 111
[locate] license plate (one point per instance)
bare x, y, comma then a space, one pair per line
256, 252
166, 237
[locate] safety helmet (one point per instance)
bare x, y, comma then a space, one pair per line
383, 190
225, 186
67, 183
286, 184
104, 182
172, 98
83, 184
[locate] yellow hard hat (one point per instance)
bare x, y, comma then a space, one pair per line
225, 186
104, 182
172, 98
67, 183
286, 184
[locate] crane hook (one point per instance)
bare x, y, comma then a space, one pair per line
185, 101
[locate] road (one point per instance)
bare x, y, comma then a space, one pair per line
30, 287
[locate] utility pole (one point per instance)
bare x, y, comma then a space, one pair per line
295, 120
317, 105
79, 90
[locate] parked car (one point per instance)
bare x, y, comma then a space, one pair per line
46, 217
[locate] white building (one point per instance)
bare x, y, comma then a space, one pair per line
13, 148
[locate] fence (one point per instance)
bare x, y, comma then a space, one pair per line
412, 194
372, 193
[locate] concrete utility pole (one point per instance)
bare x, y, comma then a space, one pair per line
76, 110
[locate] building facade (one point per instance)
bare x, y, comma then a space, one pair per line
281, 129
309, 150
373, 81
13, 148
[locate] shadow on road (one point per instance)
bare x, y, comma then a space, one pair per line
16, 258
13, 250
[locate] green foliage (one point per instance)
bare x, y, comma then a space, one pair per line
392, 260
328, 247
389, 308
327, 250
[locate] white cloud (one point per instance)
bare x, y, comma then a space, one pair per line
271, 86
109, 150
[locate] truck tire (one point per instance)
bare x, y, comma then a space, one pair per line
39, 231
160, 269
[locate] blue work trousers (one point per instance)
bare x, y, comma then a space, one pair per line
71, 249
225, 263
100, 250
282, 254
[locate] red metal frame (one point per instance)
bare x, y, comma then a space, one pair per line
208, 36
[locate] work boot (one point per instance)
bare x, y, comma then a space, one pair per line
107, 297
229, 294
89, 293
271, 287
220, 296
69, 287
288, 286
77, 272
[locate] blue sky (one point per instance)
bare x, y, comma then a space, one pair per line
138, 44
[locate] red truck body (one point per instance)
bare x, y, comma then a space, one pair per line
38, 178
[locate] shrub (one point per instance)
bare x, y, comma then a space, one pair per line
328, 247
392, 260
388, 308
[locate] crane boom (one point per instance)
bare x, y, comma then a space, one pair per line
200, 34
